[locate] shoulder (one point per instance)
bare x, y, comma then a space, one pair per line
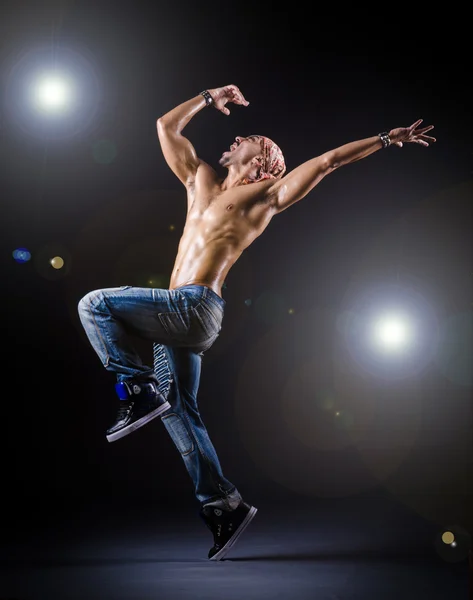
204, 176
204, 170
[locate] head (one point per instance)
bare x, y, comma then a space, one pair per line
257, 156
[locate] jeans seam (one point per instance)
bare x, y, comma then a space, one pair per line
207, 461
99, 335
213, 302
210, 335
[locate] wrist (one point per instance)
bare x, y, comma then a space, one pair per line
207, 97
385, 139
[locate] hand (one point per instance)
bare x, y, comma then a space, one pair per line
403, 135
228, 93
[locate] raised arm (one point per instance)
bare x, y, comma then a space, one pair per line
301, 180
178, 151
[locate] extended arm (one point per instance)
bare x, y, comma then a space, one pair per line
178, 151
299, 182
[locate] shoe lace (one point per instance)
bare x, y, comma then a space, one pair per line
124, 409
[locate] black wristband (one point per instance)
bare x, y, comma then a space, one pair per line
384, 137
208, 98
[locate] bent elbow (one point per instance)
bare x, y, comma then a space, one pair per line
163, 129
329, 163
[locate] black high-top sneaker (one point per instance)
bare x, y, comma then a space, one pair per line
226, 526
140, 402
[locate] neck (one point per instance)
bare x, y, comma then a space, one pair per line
235, 178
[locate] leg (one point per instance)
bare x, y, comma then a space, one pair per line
222, 508
111, 317
178, 371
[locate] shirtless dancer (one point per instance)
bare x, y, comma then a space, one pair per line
224, 216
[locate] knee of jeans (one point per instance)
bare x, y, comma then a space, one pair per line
86, 303
178, 432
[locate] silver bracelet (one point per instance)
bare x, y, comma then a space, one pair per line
208, 98
384, 137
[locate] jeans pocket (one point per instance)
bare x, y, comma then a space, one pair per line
209, 322
177, 324
191, 327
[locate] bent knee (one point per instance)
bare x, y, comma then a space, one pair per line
89, 301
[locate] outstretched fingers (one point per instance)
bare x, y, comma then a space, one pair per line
425, 140
418, 135
424, 130
429, 138
416, 124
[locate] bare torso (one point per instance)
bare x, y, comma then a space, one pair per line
220, 224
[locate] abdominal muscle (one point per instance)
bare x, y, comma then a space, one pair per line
202, 261
215, 234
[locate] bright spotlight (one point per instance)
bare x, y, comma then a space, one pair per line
52, 93
391, 332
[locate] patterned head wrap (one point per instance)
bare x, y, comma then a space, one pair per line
274, 165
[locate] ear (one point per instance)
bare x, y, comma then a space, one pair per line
257, 161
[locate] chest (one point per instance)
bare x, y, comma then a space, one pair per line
244, 205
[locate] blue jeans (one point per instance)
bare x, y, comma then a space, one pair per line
182, 324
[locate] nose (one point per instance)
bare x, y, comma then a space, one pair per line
238, 139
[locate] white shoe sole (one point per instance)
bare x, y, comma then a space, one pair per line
232, 541
137, 424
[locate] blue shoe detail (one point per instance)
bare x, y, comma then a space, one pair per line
122, 391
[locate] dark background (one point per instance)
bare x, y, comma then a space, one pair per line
399, 220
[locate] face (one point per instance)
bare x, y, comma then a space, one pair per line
243, 150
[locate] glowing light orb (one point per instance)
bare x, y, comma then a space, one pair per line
448, 538
52, 93
21, 255
57, 262
391, 332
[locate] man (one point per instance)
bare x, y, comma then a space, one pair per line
224, 216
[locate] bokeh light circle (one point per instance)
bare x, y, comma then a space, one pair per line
448, 537
57, 262
458, 549
21, 255
53, 261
